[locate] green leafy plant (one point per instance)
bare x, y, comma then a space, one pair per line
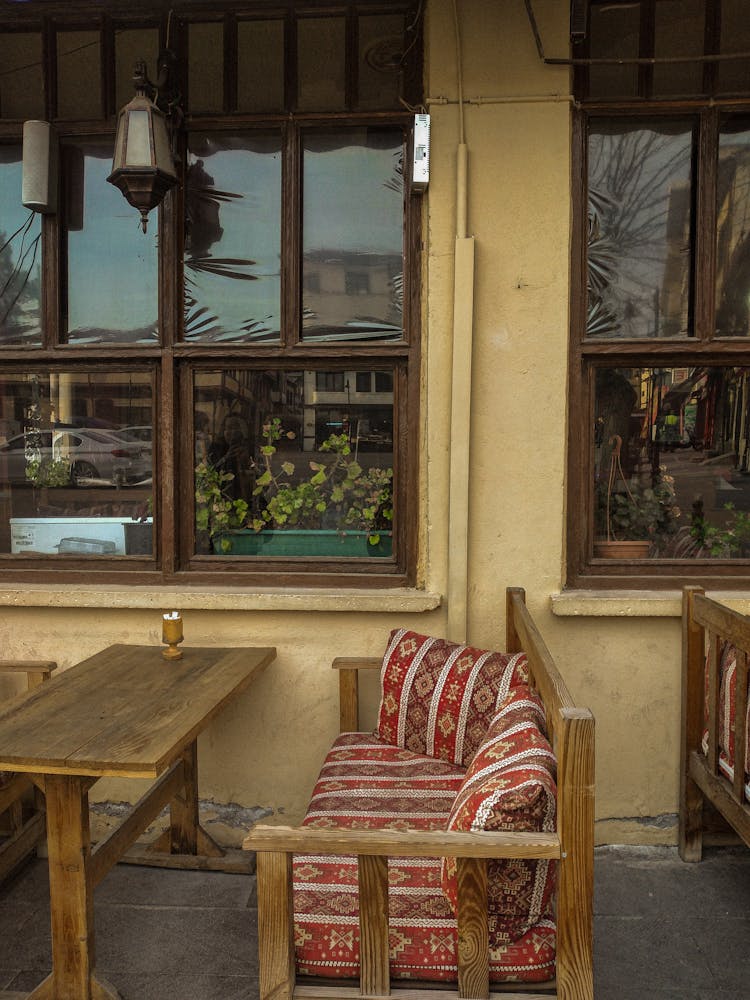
640, 512
636, 509
215, 510
48, 471
338, 491
732, 539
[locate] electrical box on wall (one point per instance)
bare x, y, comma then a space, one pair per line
420, 171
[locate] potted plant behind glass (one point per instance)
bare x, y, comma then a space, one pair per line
634, 520
340, 509
215, 511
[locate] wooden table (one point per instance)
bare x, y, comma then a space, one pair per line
125, 712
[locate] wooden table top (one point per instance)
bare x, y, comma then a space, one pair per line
125, 711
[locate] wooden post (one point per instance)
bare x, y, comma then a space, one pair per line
473, 929
275, 925
348, 701
575, 883
512, 639
374, 978
691, 797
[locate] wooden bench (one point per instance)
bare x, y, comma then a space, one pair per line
21, 805
714, 771
570, 844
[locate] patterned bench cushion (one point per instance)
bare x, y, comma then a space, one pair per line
437, 697
368, 784
727, 672
510, 785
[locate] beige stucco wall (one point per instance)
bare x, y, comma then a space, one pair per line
266, 748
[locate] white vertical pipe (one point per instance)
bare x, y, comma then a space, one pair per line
460, 436
461, 377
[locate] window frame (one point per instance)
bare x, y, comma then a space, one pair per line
585, 355
174, 360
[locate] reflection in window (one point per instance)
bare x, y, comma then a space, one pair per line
733, 233
104, 238
20, 258
76, 464
640, 218
671, 462
352, 234
233, 238
292, 463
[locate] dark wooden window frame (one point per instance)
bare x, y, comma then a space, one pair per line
586, 355
174, 361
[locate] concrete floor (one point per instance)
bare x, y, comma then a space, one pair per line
663, 930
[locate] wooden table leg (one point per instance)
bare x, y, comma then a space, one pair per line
183, 810
185, 835
71, 895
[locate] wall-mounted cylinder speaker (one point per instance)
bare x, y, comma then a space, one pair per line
39, 184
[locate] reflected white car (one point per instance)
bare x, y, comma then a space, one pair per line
94, 455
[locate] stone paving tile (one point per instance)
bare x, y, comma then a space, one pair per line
650, 954
185, 940
654, 881
141, 886
186, 987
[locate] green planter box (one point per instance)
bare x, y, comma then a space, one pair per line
330, 543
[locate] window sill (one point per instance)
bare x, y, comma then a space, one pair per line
397, 599
634, 603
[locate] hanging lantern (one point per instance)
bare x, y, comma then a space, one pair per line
142, 166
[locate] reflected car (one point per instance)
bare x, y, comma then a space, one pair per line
143, 433
96, 456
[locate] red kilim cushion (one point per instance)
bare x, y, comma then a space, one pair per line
727, 668
437, 697
368, 784
510, 785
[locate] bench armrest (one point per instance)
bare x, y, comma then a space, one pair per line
402, 843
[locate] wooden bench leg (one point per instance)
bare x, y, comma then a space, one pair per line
275, 925
691, 798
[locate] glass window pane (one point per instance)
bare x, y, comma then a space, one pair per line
321, 73
679, 31
112, 264
292, 463
20, 258
381, 48
671, 461
734, 74
206, 67
614, 34
233, 237
733, 232
352, 234
21, 78
79, 88
75, 463
132, 45
260, 66
640, 218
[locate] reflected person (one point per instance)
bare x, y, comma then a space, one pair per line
232, 451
